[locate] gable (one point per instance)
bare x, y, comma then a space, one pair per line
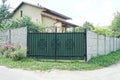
46, 10
35, 13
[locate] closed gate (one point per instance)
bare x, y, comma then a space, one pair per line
57, 45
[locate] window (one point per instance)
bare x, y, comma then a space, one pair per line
21, 13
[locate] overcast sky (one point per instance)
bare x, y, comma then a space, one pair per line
98, 12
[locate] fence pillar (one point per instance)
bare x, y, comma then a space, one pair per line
97, 44
9, 36
105, 44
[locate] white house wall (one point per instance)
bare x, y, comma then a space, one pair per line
33, 12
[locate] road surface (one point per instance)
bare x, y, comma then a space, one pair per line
110, 73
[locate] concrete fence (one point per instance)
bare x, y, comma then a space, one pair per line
100, 45
14, 36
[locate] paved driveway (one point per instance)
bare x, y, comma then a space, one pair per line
110, 73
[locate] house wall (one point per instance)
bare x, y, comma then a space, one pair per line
48, 22
60, 28
32, 12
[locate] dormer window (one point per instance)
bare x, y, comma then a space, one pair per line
21, 13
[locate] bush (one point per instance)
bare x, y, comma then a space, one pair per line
18, 54
12, 51
7, 53
7, 49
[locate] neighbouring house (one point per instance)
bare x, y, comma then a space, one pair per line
45, 16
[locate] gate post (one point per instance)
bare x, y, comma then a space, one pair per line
85, 31
55, 42
27, 42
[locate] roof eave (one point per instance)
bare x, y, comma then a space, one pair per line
68, 23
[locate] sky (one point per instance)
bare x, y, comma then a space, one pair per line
97, 12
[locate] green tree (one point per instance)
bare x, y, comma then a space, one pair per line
88, 25
4, 12
78, 29
115, 26
103, 31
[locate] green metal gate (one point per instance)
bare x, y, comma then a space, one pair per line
57, 45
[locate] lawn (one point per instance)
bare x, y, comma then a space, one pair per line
38, 64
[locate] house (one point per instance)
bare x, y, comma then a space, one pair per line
45, 16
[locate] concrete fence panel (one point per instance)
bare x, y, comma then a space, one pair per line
112, 44
100, 45
107, 45
4, 36
118, 43
19, 36
91, 44
115, 48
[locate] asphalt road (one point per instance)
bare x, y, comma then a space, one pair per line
110, 73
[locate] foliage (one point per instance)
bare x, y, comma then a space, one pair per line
7, 49
100, 30
106, 60
103, 31
88, 25
40, 64
12, 51
115, 26
78, 29
22, 22
18, 54
4, 13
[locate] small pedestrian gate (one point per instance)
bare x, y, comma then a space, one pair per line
57, 45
